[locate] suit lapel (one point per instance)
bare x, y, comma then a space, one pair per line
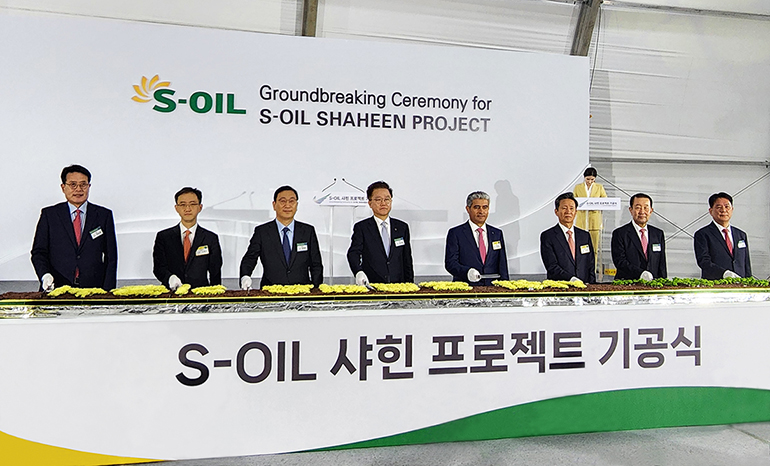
197, 241
277, 240
562, 240
470, 235
66, 220
375, 233
637, 242
298, 230
721, 238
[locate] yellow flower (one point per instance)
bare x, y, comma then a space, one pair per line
577, 284
555, 284
182, 290
79, 292
519, 284
395, 287
209, 290
447, 286
288, 289
140, 290
342, 288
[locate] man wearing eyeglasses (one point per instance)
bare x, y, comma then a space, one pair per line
288, 249
187, 253
380, 250
75, 241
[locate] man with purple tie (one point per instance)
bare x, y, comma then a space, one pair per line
722, 250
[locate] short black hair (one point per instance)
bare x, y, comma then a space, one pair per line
74, 169
713, 198
590, 171
282, 189
565, 196
642, 195
188, 189
377, 185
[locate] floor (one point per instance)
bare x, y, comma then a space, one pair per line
725, 445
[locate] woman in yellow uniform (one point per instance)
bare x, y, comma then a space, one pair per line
590, 220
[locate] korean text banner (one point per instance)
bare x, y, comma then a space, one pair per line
148, 386
151, 108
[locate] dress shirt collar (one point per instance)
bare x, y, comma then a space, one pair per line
379, 221
565, 229
82, 208
475, 227
722, 228
281, 226
192, 229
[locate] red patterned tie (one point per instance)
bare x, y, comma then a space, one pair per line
77, 226
482, 246
187, 244
727, 240
644, 243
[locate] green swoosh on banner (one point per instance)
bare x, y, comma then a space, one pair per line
644, 408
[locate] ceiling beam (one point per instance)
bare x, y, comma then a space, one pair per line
584, 30
309, 17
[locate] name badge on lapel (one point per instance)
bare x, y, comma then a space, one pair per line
656, 248
496, 245
301, 247
96, 232
584, 249
399, 242
202, 251
741, 244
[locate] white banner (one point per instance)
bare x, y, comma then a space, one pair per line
151, 108
147, 386
598, 203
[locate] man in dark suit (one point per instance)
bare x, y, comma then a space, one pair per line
721, 250
567, 251
187, 252
288, 249
474, 248
639, 249
75, 241
379, 250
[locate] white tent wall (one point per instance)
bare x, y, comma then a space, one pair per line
680, 99
680, 105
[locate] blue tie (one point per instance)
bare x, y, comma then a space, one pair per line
286, 245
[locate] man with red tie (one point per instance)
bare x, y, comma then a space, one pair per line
638, 248
475, 251
722, 250
187, 253
75, 241
567, 251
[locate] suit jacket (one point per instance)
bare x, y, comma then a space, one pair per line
203, 266
589, 219
628, 256
55, 249
462, 254
304, 266
367, 253
557, 257
714, 258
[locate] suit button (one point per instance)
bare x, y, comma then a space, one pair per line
78, 257
288, 272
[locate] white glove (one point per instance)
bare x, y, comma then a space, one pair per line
361, 278
47, 282
245, 282
473, 275
730, 274
646, 275
174, 282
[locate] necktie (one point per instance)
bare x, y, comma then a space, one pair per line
186, 244
385, 238
77, 226
727, 240
482, 246
644, 242
571, 243
286, 245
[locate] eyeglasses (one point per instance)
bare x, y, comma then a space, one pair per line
382, 200
191, 205
81, 185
